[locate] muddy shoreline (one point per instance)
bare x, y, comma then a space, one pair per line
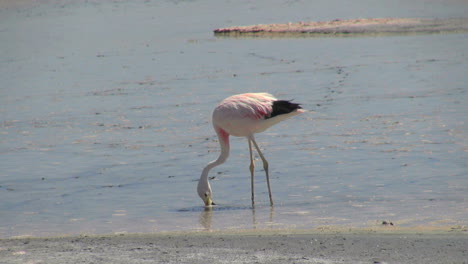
249, 247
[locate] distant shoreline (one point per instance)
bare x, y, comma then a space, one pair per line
353, 27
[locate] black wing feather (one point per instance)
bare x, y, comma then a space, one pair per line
281, 107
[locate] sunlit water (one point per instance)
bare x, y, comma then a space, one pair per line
105, 118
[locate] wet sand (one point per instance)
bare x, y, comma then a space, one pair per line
265, 246
355, 26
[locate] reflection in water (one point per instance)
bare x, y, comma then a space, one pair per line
254, 217
206, 216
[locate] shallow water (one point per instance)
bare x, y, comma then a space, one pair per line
105, 112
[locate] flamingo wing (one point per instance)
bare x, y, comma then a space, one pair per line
246, 114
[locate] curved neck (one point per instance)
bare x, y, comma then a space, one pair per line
223, 138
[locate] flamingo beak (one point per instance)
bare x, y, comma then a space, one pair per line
209, 202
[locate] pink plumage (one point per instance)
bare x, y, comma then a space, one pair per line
243, 115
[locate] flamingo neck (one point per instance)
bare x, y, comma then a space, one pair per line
223, 138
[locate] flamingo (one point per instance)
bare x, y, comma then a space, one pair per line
244, 115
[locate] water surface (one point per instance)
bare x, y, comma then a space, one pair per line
105, 118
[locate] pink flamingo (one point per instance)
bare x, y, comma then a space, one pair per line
243, 115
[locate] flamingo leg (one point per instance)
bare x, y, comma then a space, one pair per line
265, 167
252, 168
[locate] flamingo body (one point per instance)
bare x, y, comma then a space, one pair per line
244, 115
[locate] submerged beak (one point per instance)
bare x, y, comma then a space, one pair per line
209, 202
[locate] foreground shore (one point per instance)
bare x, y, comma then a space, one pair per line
351, 246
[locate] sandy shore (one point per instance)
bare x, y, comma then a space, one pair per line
355, 26
358, 246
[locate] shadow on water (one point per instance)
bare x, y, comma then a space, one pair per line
241, 207
214, 208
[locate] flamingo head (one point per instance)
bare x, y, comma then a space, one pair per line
205, 194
